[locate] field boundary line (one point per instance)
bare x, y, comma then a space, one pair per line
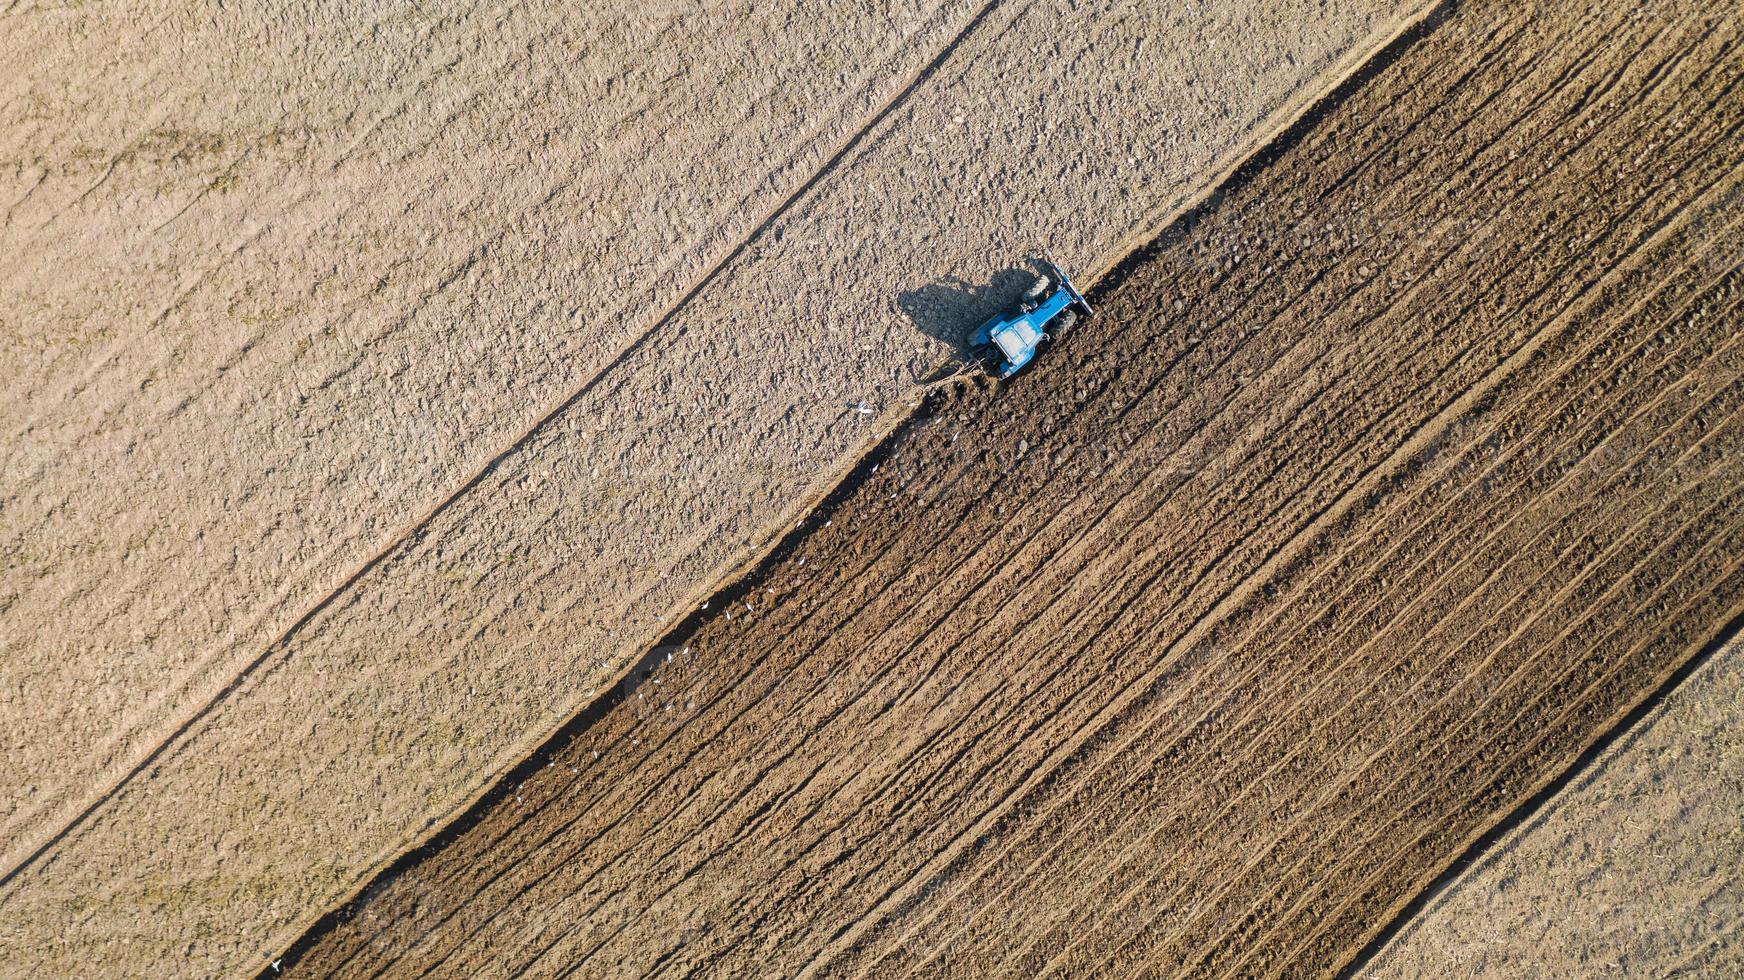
1295, 118
806, 502
1411, 446
1583, 773
1213, 202
195, 677
1118, 501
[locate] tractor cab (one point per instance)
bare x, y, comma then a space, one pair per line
1017, 339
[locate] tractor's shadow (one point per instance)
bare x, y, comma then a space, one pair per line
949, 309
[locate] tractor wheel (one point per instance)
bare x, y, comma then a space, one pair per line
1065, 323
1032, 297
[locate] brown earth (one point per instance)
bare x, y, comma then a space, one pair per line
1375, 494
378, 377
1635, 869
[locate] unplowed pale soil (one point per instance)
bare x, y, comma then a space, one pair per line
1373, 495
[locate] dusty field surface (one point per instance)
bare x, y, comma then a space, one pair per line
277, 284
379, 376
1634, 869
1375, 494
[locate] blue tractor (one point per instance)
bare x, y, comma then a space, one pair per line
1047, 310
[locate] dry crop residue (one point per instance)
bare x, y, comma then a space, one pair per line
276, 284
1374, 494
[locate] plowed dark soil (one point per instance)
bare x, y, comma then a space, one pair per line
1375, 493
